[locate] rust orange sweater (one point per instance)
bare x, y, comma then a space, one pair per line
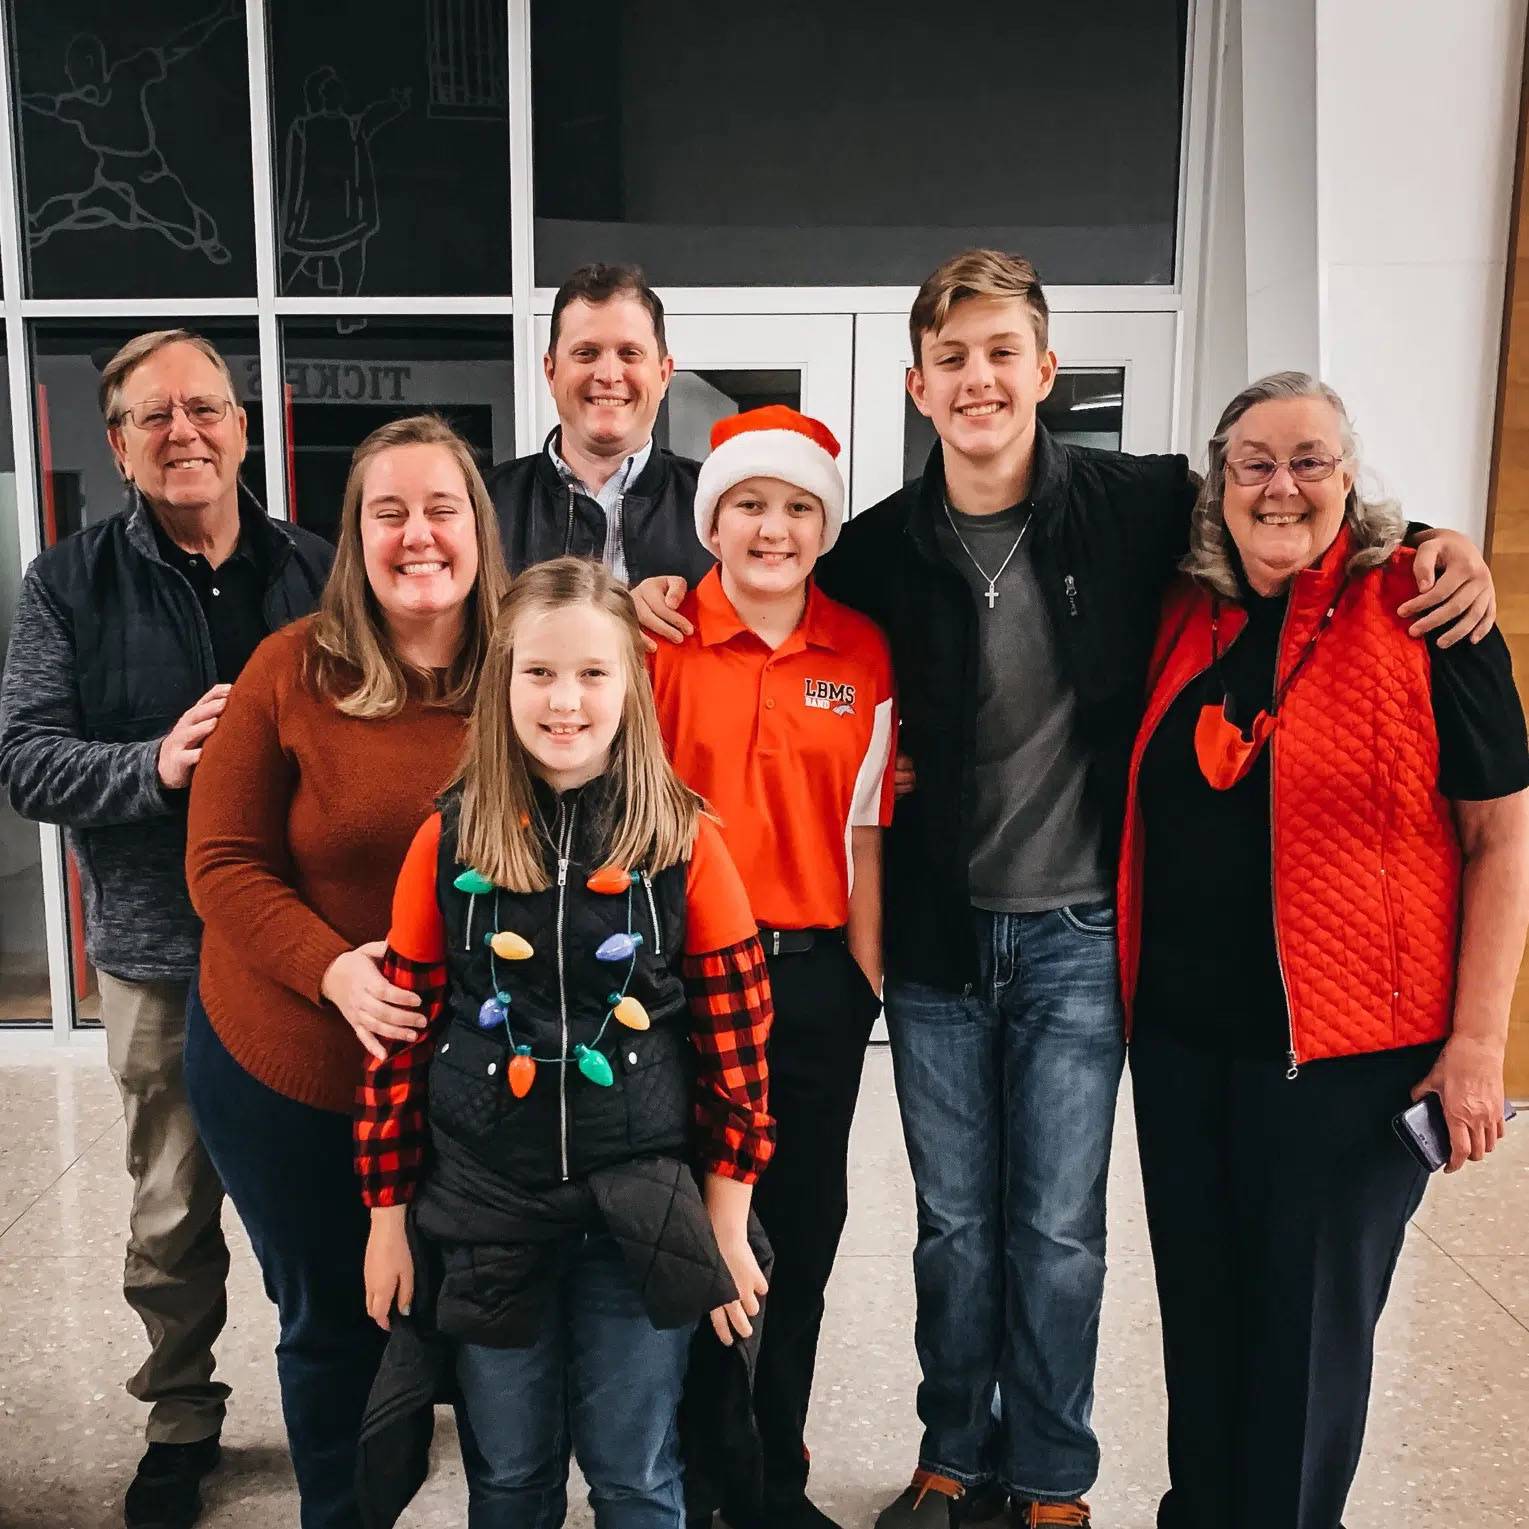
300, 819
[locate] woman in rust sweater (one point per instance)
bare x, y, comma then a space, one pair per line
339, 734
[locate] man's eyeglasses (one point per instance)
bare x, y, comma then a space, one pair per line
157, 413
1308, 467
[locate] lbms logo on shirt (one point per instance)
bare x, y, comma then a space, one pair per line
824, 695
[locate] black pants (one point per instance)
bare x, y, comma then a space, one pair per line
1276, 1210
288, 1169
824, 1010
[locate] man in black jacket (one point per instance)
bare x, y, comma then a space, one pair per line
1019, 582
126, 639
600, 487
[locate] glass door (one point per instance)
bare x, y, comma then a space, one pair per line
725, 363
1114, 388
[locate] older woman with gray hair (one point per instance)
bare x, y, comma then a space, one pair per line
1323, 897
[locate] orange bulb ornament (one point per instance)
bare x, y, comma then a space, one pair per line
609, 879
522, 1072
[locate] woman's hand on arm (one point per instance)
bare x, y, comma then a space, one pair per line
389, 1266
1468, 1075
1455, 589
373, 1007
727, 1204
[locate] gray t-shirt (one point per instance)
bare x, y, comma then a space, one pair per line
1038, 841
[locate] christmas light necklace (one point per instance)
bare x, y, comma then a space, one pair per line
506, 945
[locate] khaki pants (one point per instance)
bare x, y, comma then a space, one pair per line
177, 1261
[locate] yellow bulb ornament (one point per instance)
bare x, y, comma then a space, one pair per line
629, 1012
509, 946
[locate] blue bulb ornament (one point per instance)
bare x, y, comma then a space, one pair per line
619, 947
494, 1011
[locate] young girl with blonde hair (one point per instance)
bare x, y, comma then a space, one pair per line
597, 1009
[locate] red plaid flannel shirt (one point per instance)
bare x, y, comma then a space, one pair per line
731, 1012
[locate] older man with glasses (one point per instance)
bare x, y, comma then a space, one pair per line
126, 639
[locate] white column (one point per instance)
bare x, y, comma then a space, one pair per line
1220, 359
1418, 106
1357, 226
1280, 173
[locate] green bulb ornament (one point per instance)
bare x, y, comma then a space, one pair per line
594, 1066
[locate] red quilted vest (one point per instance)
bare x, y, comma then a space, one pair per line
1366, 862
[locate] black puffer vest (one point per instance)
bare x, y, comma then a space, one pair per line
559, 1000
541, 517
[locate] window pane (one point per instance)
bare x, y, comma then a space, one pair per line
345, 378
1085, 408
78, 481
835, 145
23, 936
697, 400
135, 148
392, 147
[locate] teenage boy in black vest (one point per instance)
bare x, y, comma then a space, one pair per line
1018, 581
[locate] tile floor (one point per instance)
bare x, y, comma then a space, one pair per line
1449, 1427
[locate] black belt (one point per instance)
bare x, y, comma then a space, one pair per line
795, 942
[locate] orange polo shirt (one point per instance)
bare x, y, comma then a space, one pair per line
793, 748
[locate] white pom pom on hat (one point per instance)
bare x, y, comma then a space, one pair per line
772, 442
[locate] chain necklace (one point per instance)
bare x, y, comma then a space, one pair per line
992, 591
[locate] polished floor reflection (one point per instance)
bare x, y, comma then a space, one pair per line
1448, 1440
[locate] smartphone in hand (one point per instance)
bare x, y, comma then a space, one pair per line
1423, 1132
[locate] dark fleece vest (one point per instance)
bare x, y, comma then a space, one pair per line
566, 1126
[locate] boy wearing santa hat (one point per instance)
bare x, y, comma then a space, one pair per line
778, 709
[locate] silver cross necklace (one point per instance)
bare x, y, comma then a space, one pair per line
991, 593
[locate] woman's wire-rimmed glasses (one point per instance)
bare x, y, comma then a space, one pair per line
1305, 467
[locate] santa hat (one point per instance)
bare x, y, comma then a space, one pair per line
772, 442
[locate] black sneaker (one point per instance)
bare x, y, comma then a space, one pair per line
1038, 1515
166, 1493
801, 1514
937, 1502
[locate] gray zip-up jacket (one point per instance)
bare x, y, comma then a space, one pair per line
108, 648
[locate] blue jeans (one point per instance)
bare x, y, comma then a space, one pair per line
1007, 1095
288, 1169
601, 1378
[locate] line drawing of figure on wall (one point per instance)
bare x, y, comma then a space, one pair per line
330, 210
107, 105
